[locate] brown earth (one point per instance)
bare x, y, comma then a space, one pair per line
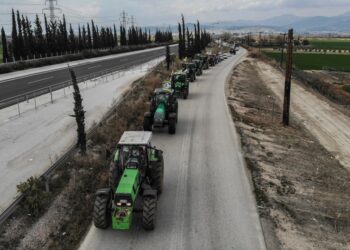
303, 192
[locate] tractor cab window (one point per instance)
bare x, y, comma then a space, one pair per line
133, 156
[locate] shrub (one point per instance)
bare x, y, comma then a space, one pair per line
35, 197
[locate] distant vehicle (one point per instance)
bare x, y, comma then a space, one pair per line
190, 70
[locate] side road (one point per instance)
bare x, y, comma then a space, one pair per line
326, 123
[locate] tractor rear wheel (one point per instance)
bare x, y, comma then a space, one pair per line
101, 215
147, 123
172, 124
149, 212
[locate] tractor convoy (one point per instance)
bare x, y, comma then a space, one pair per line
137, 169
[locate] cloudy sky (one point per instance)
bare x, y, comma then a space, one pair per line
164, 12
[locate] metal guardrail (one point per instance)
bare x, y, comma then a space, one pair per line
71, 151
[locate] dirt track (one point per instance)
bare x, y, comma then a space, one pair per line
326, 123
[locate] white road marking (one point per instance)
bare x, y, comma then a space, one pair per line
40, 80
97, 66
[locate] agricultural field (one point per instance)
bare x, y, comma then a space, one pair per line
308, 61
331, 43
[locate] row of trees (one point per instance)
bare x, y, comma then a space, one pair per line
191, 43
56, 38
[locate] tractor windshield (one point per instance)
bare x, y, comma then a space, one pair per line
133, 156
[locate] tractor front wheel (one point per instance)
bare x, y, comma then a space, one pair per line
149, 212
101, 215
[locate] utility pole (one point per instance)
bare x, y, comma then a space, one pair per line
289, 62
283, 42
51, 9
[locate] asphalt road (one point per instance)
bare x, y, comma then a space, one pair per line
207, 202
18, 86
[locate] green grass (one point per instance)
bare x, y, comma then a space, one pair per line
332, 44
311, 61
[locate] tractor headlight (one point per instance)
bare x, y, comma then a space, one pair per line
128, 204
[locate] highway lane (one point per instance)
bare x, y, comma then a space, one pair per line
17, 86
207, 202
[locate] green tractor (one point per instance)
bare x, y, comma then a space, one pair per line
163, 111
190, 70
204, 60
135, 181
199, 67
180, 84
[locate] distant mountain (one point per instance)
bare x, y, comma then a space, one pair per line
316, 24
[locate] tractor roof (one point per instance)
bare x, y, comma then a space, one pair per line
179, 73
136, 138
163, 90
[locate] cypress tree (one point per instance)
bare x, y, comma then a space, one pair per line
181, 52
79, 113
15, 45
26, 42
5, 53
83, 38
80, 42
168, 59
89, 42
65, 35
72, 44
31, 38
20, 37
115, 36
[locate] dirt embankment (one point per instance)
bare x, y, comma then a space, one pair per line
303, 193
68, 214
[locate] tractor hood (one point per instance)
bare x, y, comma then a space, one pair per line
159, 115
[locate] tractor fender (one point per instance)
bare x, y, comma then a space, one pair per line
103, 192
150, 192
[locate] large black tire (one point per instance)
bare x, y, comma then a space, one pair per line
149, 212
101, 215
147, 122
158, 175
186, 94
172, 124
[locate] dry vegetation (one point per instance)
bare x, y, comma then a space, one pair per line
303, 193
68, 216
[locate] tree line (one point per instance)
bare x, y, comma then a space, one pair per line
192, 42
30, 41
